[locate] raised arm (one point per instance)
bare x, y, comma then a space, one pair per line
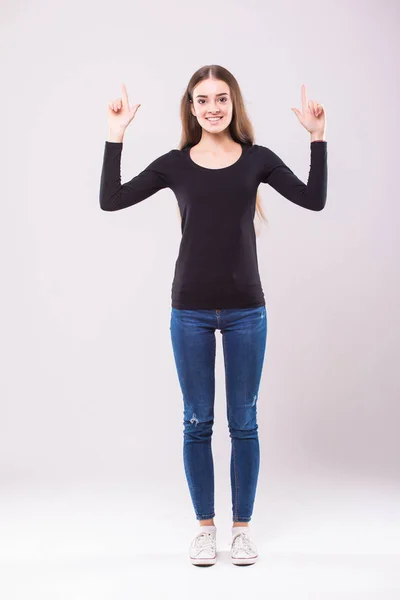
279, 176
113, 194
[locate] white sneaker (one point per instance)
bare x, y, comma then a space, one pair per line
203, 549
243, 549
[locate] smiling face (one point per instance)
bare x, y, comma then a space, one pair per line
212, 98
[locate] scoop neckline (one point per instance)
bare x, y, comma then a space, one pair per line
243, 145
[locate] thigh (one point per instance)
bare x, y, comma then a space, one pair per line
244, 337
194, 347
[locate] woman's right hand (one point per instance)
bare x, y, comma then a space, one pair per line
120, 113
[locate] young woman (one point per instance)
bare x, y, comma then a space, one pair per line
215, 175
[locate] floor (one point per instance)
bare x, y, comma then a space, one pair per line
317, 539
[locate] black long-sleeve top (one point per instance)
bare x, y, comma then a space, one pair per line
217, 263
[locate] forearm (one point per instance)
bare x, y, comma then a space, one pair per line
113, 194
279, 176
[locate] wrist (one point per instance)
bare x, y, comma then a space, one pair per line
318, 136
116, 135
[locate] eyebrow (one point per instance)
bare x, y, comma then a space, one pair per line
205, 96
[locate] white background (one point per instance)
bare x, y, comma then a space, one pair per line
94, 502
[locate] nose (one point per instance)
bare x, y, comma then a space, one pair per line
214, 109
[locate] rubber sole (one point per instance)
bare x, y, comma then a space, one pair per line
250, 560
203, 562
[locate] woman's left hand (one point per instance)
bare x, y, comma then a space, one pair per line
312, 116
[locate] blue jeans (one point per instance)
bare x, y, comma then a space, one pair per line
244, 336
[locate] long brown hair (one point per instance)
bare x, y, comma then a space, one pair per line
240, 127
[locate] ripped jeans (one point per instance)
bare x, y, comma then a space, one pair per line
244, 335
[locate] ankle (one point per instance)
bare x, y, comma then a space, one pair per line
206, 522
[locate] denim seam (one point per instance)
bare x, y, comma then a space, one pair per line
236, 481
236, 502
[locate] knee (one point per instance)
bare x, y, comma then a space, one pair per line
196, 429
243, 425
244, 433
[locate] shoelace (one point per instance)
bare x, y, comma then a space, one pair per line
203, 541
242, 542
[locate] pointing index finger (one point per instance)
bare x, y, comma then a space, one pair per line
125, 95
303, 98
